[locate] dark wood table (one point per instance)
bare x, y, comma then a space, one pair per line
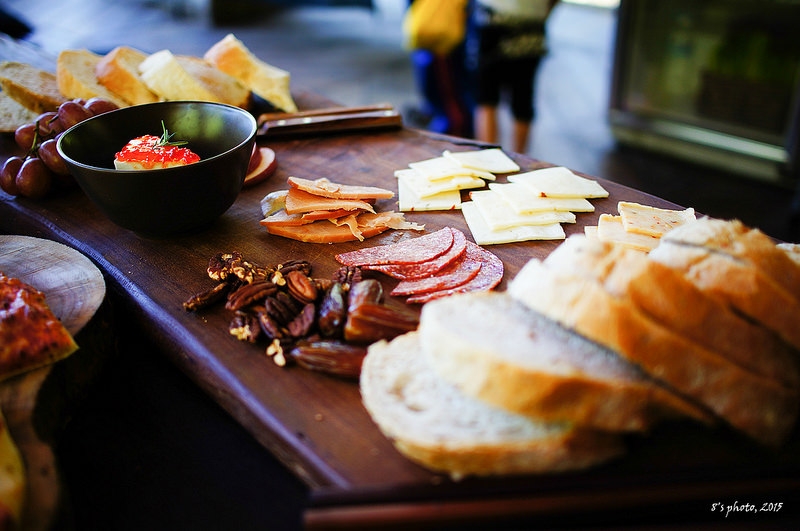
316, 424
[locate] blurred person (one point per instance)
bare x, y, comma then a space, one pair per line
509, 42
444, 86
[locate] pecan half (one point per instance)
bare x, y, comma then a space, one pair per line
206, 298
245, 327
272, 328
347, 275
301, 287
249, 294
302, 323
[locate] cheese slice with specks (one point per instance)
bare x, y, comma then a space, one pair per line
492, 160
484, 235
652, 221
524, 200
560, 182
409, 201
499, 215
442, 168
425, 188
610, 229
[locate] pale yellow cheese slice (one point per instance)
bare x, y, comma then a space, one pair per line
484, 235
560, 182
652, 221
492, 160
591, 232
409, 201
525, 201
425, 188
441, 168
498, 214
610, 229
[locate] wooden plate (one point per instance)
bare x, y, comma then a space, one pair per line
74, 289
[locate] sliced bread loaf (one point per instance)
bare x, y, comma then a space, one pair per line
183, 77
13, 114
762, 408
432, 423
232, 57
33, 88
118, 71
669, 298
494, 348
75, 72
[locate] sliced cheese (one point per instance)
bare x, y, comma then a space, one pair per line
652, 221
409, 201
560, 182
526, 201
610, 229
498, 215
591, 232
484, 235
442, 168
425, 188
492, 160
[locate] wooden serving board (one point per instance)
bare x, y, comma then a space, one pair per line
74, 289
315, 424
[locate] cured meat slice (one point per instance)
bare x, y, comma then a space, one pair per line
411, 251
428, 268
456, 274
489, 276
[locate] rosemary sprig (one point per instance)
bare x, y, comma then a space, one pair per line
166, 136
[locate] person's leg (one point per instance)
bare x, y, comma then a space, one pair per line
486, 124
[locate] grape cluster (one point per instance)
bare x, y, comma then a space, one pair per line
42, 169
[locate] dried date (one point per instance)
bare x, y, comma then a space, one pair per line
332, 311
330, 357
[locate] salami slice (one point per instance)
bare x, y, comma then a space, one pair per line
429, 267
412, 251
489, 276
456, 274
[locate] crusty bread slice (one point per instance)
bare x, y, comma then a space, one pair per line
734, 238
13, 114
183, 77
743, 286
75, 73
271, 83
432, 423
33, 88
495, 349
669, 298
118, 71
759, 407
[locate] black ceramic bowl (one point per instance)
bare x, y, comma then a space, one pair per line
170, 200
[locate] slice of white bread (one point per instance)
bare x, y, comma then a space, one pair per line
669, 298
118, 71
271, 83
13, 114
432, 423
497, 350
183, 77
759, 407
75, 73
31, 87
741, 267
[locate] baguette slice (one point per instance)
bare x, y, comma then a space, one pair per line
669, 298
118, 71
183, 77
271, 83
432, 423
495, 349
33, 88
75, 73
738, 283
759, 407
13, 114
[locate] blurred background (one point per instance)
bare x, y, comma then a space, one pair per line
695, 102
